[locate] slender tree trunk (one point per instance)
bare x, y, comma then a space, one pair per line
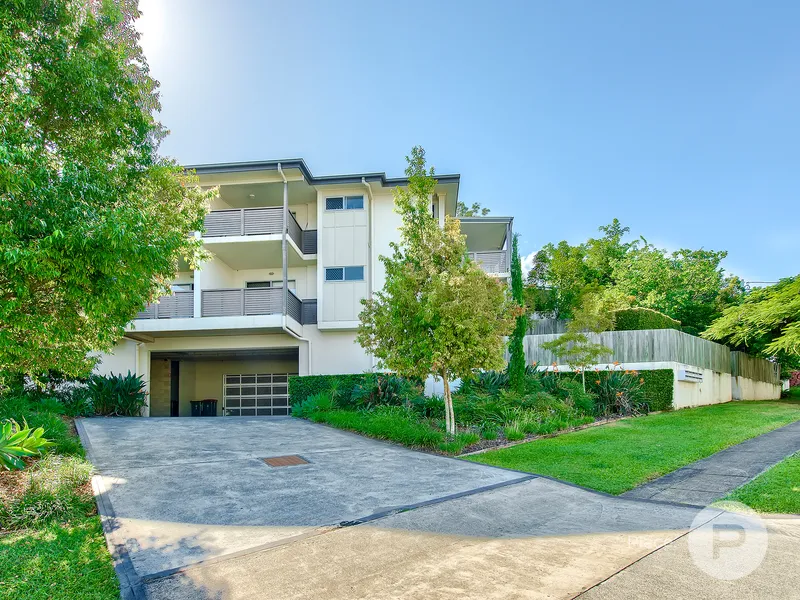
583, 378
449, 419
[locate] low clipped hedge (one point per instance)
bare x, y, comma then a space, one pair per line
301, 387
635, 319
658, 388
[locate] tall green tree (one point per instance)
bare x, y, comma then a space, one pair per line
476, 210
516, 348
687, 285
438, 313
766, 323
93, 221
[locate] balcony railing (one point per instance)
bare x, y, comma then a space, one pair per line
237, 302
178, 306
491, 262
258, 221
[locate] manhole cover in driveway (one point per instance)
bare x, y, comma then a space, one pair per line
285, 461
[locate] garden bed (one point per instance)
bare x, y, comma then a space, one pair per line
488, 413
51, 542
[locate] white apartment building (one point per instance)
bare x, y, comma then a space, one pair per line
292, 257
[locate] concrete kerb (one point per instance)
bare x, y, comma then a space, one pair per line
131, 585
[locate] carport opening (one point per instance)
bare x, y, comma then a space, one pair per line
236, 383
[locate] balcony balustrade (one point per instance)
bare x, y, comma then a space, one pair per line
258, 221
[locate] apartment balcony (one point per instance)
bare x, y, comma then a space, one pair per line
258, 221
178, 306
237, 302
492, 262
232, 302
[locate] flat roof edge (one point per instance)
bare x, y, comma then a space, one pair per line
299, 163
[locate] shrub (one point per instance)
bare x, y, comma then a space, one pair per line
575, 395
18, 442
513, 432
459, 442
620, 392
340, 386
321, 402
22, 409
393, 423
643, 318
488, 382
489, 431
55, 490
383, 390
117, 395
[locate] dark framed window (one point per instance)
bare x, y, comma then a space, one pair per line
345, 203
354, 273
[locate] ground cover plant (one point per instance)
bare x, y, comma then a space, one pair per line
623, 454
775, 491
51, 541
488, 410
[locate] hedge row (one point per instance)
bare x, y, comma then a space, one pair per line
301, 387
658, 388
634, 319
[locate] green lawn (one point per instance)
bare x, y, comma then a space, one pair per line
776, 491
621, 455
57, 561
51, 542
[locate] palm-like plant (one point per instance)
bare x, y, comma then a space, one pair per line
17, 442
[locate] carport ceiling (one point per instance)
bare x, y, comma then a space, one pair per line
197, 355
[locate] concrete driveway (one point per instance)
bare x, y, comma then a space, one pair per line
192, 511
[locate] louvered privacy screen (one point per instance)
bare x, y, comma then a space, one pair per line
178, 306
491, 262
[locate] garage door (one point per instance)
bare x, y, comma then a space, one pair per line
257, 395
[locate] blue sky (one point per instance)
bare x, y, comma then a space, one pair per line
679, 118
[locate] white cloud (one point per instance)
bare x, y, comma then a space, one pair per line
527, 263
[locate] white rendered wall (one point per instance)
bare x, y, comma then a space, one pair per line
119, 361
747, 389
343, 240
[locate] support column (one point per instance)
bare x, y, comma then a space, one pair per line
285, 247
198, 289
509, 240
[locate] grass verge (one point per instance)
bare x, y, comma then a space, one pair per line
51, 542
620, 456
774, 491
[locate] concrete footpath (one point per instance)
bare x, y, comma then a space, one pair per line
704, 481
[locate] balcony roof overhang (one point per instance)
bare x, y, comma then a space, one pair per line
486, 233
295, 169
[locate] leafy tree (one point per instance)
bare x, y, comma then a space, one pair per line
476, 210
594, 315
438, 313
516, 363
93, 221
687, 285
766, 323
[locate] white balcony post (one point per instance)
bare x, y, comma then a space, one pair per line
284, 245
198, 288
